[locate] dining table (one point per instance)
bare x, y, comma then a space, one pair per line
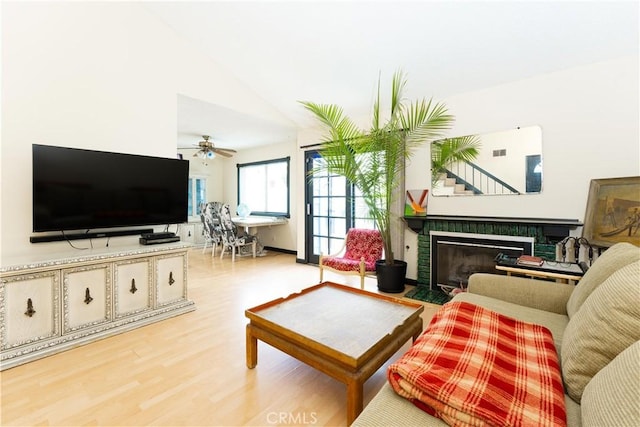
252, 222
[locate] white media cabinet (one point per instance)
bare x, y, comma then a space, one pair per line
48, 306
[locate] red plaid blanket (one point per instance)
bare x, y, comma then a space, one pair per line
475, 367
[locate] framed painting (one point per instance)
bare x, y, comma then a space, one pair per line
416, 203
613, 211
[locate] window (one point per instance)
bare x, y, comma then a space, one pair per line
197, 195
264, 187
361, 216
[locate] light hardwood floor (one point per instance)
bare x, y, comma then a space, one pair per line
190, 370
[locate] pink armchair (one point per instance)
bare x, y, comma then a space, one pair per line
362, 248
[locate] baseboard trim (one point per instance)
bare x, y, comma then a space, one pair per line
284, 251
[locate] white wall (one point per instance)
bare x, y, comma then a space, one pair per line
590, 119
96, 75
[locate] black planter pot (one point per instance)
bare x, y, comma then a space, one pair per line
391, 278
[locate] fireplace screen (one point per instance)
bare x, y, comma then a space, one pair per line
456, 256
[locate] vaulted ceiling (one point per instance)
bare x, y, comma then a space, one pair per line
334, 51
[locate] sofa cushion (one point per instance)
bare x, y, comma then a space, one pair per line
540, 294
607, 323
387, 409
556, 323
611, 397
611, 260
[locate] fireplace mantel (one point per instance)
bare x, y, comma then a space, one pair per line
557, 227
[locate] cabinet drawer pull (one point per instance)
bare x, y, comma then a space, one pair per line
30, 311
133, 289
87, 296
171, 281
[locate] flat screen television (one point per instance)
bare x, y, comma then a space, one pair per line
77, 189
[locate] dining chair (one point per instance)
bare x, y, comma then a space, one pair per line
230, 238
209, 214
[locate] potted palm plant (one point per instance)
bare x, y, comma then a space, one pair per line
373, 159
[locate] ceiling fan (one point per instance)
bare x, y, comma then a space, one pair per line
208, 150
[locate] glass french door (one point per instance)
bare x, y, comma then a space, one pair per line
332, 207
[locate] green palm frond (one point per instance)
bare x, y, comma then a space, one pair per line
340, 126
373, 159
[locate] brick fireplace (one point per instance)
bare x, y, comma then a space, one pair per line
546, 233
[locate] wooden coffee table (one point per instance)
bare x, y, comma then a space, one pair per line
344, 332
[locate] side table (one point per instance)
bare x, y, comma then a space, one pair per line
560, 274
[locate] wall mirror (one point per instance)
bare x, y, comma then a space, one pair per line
496, 163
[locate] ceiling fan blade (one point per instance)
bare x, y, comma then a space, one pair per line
207, 146
222, 153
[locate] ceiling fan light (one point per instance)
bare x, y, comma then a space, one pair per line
211, 155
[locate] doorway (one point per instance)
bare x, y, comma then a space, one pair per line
332, 206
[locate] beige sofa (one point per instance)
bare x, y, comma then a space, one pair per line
596, 330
